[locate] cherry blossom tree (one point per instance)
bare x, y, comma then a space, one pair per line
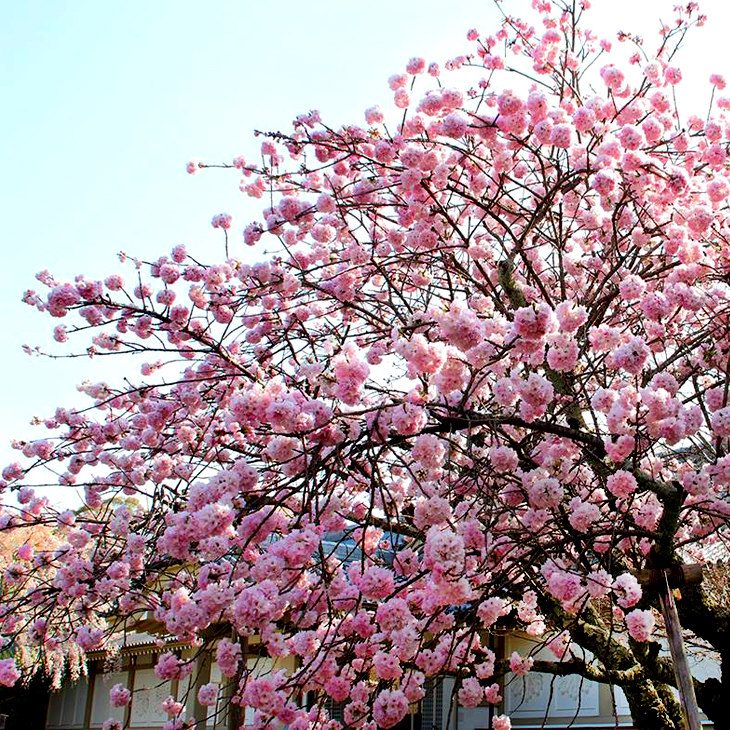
483, 377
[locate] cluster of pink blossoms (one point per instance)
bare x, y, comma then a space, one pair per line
485, 365
9, 673
640, 624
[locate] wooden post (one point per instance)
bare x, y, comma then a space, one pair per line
685, 684
130, 686
202, 676
236, 713
90, 686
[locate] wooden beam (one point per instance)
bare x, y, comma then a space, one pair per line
677, 575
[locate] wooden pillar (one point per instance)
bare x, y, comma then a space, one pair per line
236, 713
455, 705
130, 686
202, 676
90, 685
682, 673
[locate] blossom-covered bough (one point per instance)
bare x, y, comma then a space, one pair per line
491, 352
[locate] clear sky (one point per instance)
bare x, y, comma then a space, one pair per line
104, 102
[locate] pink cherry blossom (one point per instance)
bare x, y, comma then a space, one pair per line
119, 696
640, 624
471, 693
519, 665
9, 673
501, 722
627, 586
208, 694
390, 708
621, 484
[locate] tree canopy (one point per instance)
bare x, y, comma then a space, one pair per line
484, 376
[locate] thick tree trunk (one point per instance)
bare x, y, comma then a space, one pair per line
673, 707
648, 708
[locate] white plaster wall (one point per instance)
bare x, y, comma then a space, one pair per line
101, 709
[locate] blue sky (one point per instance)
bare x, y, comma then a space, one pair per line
106, 101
